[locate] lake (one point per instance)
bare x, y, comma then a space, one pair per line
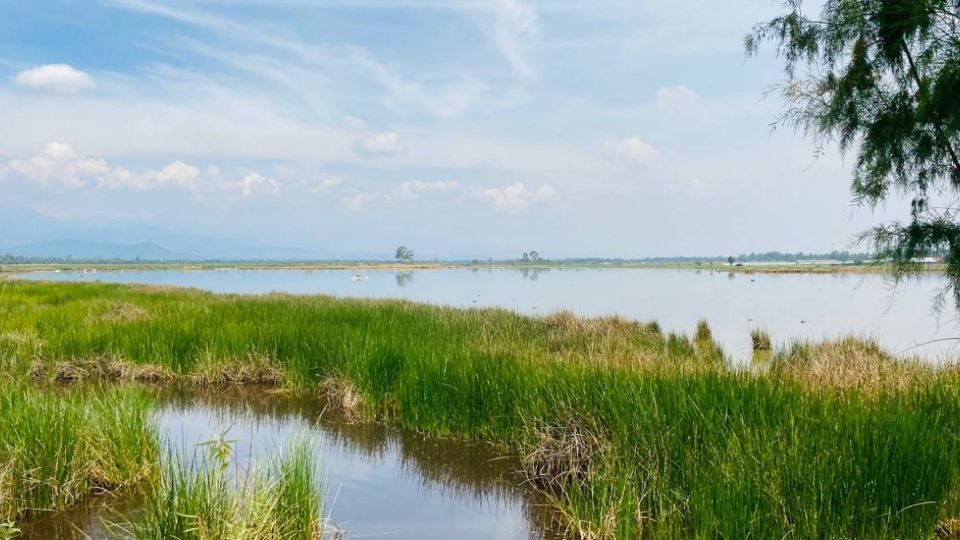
789, 306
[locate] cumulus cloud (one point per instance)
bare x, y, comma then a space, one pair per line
254, 183
516, 198
58, 164
57, 77
410, 189
633, 149
677, 98
382, 144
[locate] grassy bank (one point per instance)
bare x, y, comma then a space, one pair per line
632, 432
57, 448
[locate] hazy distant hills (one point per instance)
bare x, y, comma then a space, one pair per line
86, 250
25, 233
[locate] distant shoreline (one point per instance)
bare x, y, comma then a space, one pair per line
765, 268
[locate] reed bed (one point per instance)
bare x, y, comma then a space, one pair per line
57, 448
629, 431
202, 500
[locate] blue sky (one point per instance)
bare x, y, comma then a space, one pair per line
463, 128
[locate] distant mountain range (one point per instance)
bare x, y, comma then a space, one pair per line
24, 233
86, 250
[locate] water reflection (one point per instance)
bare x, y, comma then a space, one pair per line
380, 481
404, 279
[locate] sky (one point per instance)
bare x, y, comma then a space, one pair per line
460, 128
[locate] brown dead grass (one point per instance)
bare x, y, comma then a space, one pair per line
850, 364
561, 455
342, 395
948, 528
254, 368
98, 368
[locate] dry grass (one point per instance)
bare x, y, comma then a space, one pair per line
948, 528
561, 455
22, 338
120, 313
761, 340
98, 368
850, 364
254, 368
566, 323
343, 396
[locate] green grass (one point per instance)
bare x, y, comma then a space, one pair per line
57, 448
203, 501
687, 448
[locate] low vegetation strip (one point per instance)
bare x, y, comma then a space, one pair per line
631, 432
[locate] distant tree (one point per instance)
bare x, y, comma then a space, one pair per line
404, 254
526, 257
731, 259
534, 256
881, 78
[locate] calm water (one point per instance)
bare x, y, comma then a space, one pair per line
789, 306
379, 482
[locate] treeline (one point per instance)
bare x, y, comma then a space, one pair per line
768, 256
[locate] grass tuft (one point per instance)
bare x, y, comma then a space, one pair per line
760, 340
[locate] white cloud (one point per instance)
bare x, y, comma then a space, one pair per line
58, 77
254, 183
178, 173
677, 98
382, 143
58, 163
410, 189
632, 149
515, 24
516, 198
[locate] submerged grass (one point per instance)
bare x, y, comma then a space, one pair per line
630, 431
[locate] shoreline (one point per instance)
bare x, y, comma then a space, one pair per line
785, 268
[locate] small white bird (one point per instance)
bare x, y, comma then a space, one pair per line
358, 277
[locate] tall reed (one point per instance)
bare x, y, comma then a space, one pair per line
57, 448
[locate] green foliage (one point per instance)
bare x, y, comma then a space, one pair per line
201, 501
57, 448
688, 448
404, 254
881, 77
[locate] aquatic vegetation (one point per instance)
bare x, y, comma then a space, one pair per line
629, 431
279, 500
56, 448
760, 340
